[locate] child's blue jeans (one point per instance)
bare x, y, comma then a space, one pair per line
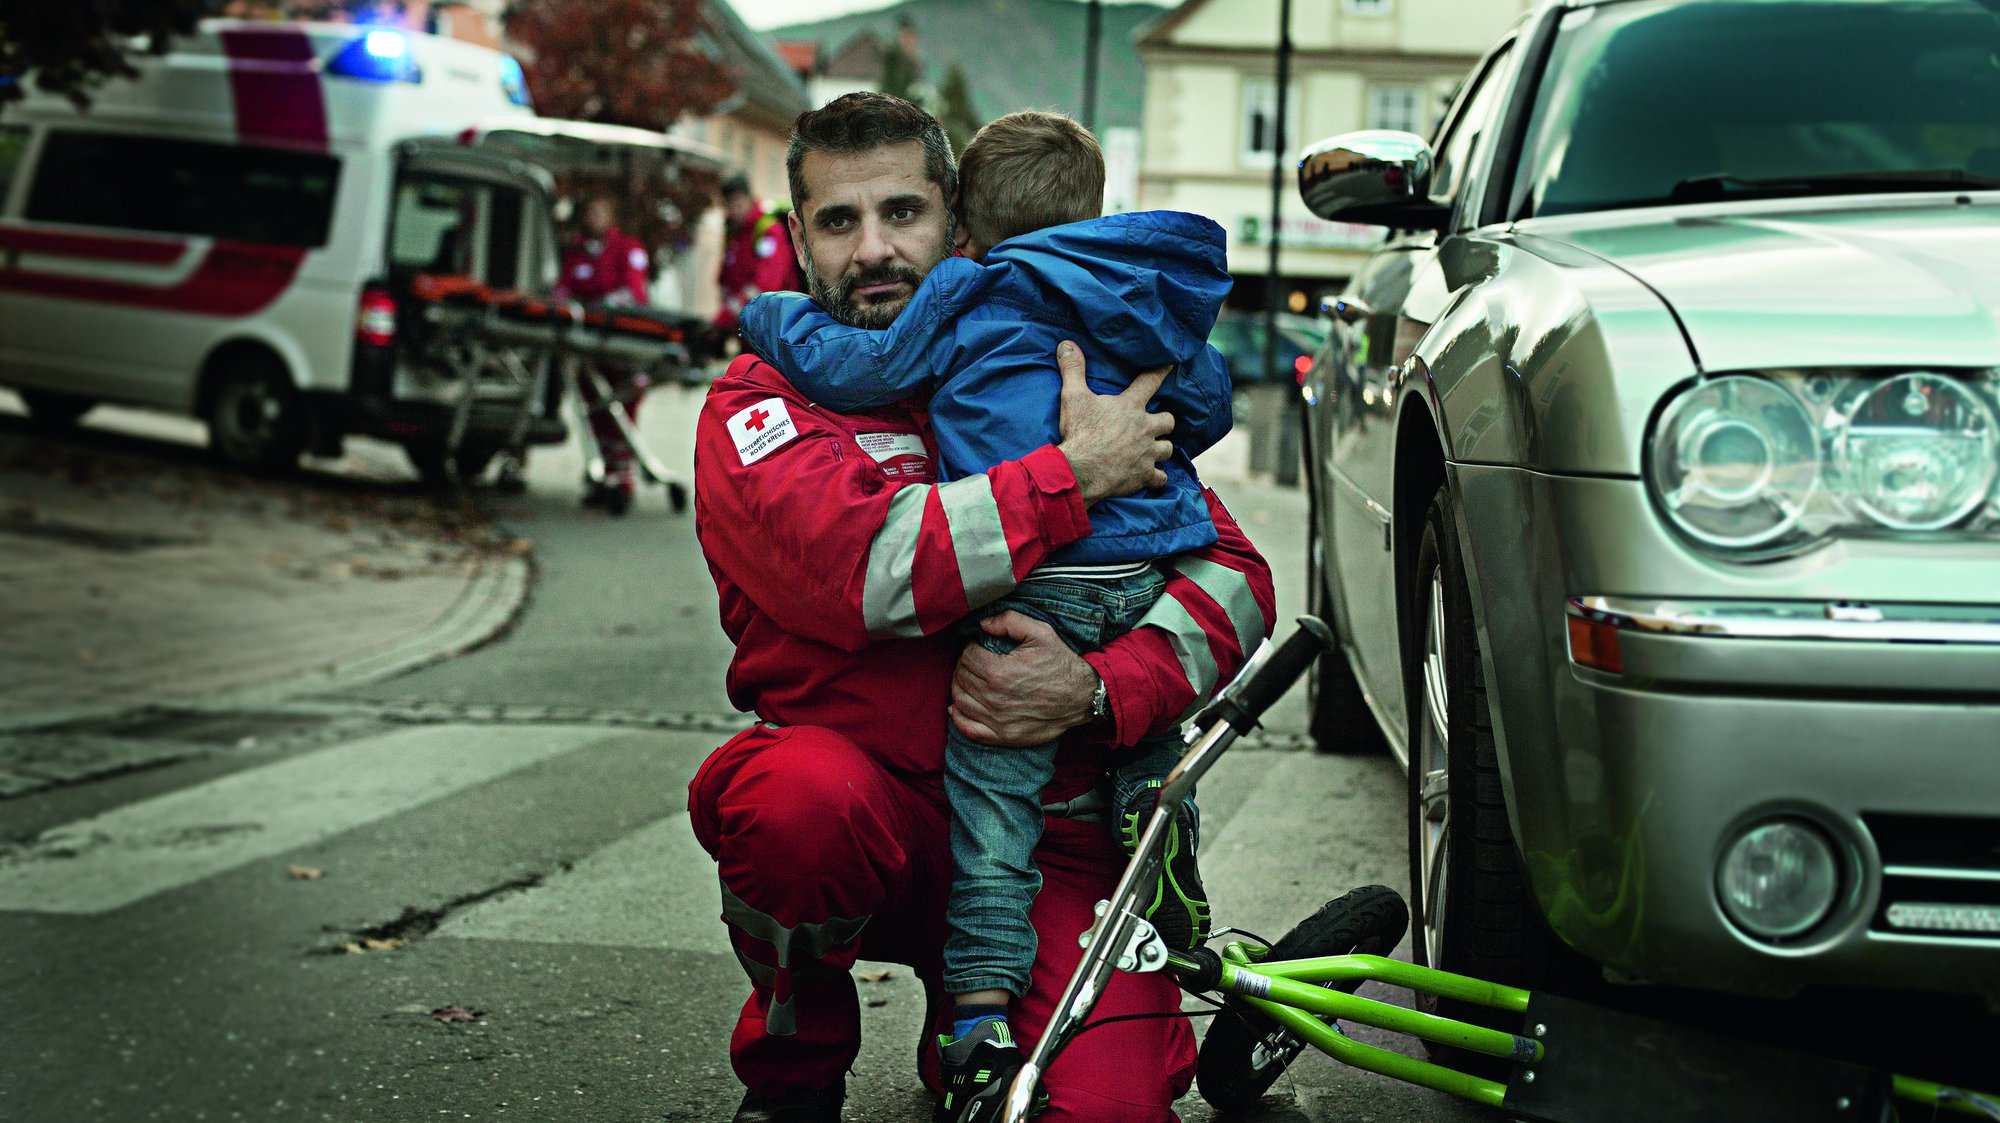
996, 792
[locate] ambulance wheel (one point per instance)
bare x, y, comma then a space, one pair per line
253, 414
55, 410
677, 497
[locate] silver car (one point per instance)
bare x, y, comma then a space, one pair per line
1652, 462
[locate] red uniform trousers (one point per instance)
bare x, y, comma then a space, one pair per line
826, 856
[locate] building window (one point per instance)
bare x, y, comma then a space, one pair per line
1260, 122
1366, 7
1397, 107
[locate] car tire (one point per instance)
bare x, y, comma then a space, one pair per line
255, 418
1338, 717
1244, 1052
1471, 908
55, 410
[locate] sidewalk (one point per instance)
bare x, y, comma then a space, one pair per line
134, 574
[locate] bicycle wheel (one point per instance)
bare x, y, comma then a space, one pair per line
1245, 1052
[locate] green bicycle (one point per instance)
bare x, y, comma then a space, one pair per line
1571, 1062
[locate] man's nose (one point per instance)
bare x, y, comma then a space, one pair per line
875, 247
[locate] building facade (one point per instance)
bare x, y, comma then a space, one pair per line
1208, 138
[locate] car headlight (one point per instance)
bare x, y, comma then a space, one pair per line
1736, 461
1916, 451
1758, 465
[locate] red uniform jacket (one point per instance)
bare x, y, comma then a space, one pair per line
757, 258
609, 270
841, 564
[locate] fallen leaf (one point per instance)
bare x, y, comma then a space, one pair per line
874, 975
373, 944
305, 873
457, 1014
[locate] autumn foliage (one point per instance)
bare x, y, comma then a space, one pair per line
644, 63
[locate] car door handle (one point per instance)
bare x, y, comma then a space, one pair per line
1346, 309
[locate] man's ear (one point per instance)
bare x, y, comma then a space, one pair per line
797, 229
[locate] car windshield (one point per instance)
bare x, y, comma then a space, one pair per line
1646, 103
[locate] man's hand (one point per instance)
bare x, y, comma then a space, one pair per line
1114, 446
1029, 696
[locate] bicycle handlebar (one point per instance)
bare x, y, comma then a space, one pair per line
1264, 679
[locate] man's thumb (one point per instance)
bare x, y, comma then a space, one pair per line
1069, 360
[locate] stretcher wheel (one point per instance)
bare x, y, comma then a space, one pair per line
1245, 1052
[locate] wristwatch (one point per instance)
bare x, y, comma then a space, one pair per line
1100, 701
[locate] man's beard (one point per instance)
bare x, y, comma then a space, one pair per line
838, 298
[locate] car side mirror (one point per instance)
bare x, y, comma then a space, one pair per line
1377, 177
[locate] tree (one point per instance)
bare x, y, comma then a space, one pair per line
955, 111
899, 74
643, 63
72, 47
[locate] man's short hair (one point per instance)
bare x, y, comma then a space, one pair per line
860, 121
1026, 171
737, 184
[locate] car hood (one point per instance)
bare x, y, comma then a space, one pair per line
1845, 282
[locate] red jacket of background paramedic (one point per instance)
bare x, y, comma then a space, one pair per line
607, 270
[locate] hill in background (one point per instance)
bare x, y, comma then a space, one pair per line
1017, 54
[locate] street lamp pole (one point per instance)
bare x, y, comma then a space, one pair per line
1093, 30
1277, 192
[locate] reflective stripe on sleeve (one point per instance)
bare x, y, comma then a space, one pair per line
985, 564
888, 601
1190, 646
1230, 590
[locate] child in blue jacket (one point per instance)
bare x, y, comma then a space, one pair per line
1135, 291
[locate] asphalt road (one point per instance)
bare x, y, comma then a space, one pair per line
267, 932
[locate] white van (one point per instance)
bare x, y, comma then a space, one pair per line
234, 235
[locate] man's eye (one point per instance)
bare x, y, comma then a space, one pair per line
837, 223
903, 214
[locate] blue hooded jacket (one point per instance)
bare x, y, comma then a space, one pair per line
1134, 291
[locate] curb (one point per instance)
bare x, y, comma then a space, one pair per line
487, 606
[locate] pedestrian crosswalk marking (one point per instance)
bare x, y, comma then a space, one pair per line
653, 888
109, 861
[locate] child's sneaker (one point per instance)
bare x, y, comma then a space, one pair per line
975, 1072
1179, 908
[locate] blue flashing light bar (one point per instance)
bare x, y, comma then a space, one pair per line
514, 83
377, 56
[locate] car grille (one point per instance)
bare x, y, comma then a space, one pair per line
1940, 876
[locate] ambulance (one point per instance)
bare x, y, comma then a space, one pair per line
236, 235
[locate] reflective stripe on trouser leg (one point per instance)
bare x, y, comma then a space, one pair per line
811, 941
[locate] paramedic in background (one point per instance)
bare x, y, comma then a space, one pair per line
602, 266
757, 257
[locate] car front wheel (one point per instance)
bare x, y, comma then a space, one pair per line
1470, 905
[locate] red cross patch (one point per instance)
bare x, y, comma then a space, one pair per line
760, 429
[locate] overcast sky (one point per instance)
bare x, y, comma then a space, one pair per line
761, 14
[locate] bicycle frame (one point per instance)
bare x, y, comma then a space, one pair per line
1296, 994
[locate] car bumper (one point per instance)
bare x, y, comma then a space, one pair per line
1769, 694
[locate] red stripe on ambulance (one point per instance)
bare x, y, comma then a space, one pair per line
274, 87
277, 98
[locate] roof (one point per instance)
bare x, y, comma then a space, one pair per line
765, 79
802, 55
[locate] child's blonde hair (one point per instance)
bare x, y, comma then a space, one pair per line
1028, 170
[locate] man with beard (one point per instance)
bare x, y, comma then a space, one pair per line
841, 567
